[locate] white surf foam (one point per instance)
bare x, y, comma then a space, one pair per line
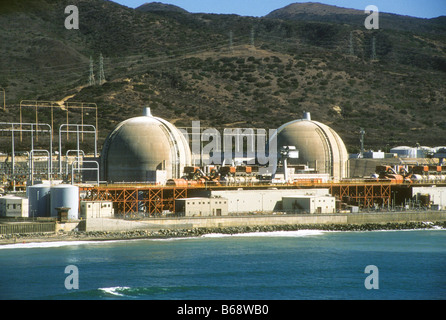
115, 291
292, 234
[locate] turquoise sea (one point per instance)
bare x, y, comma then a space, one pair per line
298, 265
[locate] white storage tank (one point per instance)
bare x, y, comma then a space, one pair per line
67, 196
405, 152
38, 200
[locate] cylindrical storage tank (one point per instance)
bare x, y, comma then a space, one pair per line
67, 196
38, 200
405, 152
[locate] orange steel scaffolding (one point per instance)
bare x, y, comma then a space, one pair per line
366, 195
154, 200
131, 200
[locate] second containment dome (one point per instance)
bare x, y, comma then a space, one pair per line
319, 146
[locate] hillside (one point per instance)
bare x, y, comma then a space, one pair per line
313, 11
160, 7
183, 66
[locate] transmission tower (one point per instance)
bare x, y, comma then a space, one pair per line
101, 70
252, 37
352, 49
91, 81
230, 41
362, 133
373, 57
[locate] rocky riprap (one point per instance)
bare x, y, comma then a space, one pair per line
196, 232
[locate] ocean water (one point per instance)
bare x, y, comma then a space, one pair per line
296, 265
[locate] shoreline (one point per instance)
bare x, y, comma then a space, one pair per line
197, 232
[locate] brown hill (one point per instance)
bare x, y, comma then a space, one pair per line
184, 67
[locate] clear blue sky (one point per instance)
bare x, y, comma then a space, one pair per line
258, 8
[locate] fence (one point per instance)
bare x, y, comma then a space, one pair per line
27, 227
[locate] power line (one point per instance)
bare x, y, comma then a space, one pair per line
70, 70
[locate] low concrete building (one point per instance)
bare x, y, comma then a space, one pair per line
96, 209
199, 207
13, 206
311, 204
252, 201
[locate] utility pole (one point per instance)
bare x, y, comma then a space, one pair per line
230, 41
101, 70
252, 37
91, 81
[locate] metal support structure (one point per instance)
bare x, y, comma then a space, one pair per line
77, 158
31, 130
129, 200
91, 80
31, 155
64, 106
362, 133
77, 136
351, 46
154, 200
84, 169
101, 70
366, 195
373, 56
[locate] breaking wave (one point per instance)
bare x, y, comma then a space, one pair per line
115, 291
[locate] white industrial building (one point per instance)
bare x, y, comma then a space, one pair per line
13, 206
264, 201
96, 209
311, 204
199, 207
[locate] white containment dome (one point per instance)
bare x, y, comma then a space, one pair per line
319, 146
138, 147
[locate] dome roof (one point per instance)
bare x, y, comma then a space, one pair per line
319, 146
140, 146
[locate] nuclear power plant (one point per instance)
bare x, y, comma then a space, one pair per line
148, 168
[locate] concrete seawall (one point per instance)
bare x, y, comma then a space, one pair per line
249, 221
